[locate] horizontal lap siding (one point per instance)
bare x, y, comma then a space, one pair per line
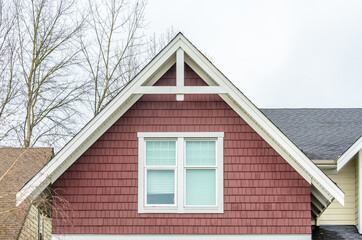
356, 192
263, 194
336, 214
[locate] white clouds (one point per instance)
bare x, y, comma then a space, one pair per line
279, 53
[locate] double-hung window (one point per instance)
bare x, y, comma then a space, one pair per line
180, 172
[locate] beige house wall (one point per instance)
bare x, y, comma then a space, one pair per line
336, 214
356, 191
47, 228
30, 229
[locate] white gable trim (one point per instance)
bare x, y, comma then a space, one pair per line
349, 154
148, 76
99, 124
263, 126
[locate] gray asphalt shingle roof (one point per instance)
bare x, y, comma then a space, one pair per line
321, 133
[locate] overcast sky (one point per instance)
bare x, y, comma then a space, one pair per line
278, 53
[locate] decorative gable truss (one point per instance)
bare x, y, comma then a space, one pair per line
180, 51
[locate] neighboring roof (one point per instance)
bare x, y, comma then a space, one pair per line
323, 188
321, 133
17, 166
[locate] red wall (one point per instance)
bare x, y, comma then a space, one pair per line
263, 194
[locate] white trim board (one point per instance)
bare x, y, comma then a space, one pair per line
147, 77
180, 72
181, 237
349, 154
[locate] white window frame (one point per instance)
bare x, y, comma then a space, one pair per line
162, 168
180, 171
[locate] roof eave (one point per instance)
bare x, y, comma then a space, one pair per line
243, 106
349, 154
260, 123
93, 129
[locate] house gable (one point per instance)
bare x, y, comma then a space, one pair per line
323, 188
263, 194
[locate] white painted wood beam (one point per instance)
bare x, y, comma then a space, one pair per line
316, 204
180, 72
180, 90
314, 212
319, 196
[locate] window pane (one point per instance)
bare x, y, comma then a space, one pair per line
200, 153
200, 187
160, 187
161, 153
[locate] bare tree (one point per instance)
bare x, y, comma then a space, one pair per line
48, 52
9, 85
111, 47
45, 46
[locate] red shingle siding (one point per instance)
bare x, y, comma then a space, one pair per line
263, 194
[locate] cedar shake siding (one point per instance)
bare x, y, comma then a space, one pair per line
263, 194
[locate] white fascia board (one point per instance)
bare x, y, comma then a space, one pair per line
180, 90
266, 127
181, 237
349, 154
99, 124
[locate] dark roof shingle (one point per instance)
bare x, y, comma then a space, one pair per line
321, 133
